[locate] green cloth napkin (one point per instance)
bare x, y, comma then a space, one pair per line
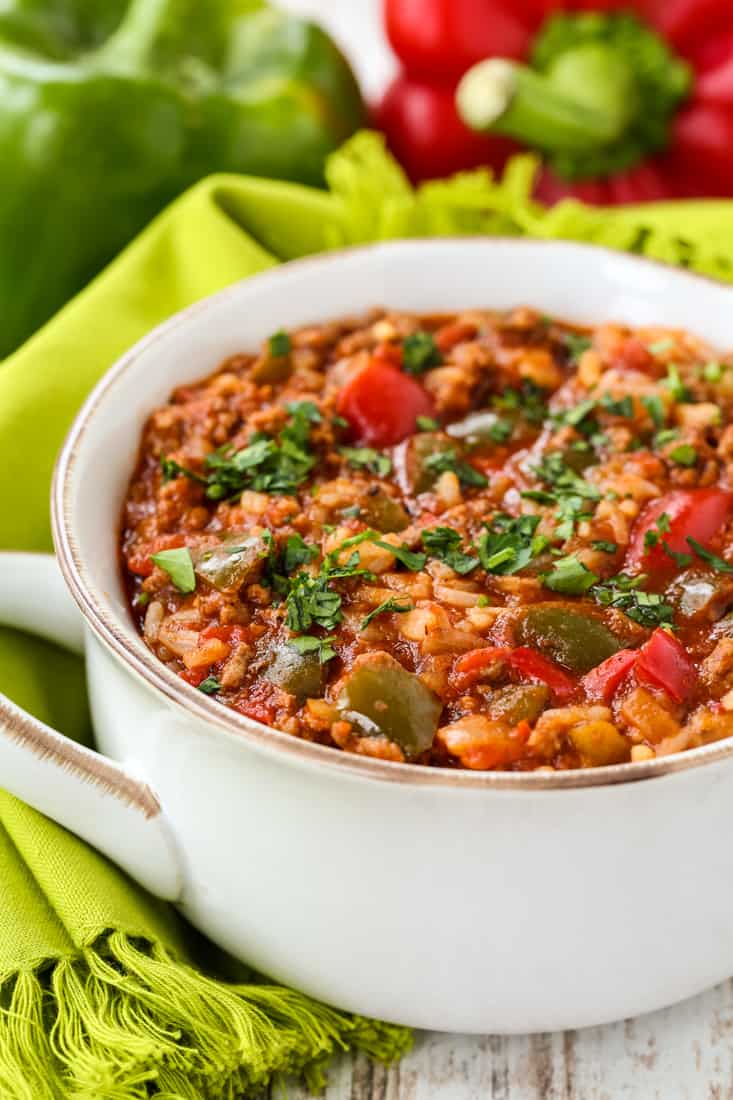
104, 993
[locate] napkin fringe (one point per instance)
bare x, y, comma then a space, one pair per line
127, 1020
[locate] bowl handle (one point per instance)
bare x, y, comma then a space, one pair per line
87, 793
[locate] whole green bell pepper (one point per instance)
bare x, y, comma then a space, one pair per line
110, 108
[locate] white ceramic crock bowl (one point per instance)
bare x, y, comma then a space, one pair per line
455, 900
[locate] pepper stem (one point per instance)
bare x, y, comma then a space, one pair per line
537, 109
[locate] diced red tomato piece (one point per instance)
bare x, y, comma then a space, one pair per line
382, 404
259, 704
142, 564
533, 666
449, 335
664, 662
695, 513
194, 676
602, 682
389, 353
232, 634
632, 355
470, 667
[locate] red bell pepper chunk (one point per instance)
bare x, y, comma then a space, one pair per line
470, 666
693, 513
533, 666
664, 662
382, 404
602, 682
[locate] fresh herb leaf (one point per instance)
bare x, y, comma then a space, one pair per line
653, 535
427, 424
684, 455
171, 469
569, 576
367, 458
576, 343
308, 643
279, 344
508, 544
339, 422
420, 352
310, 601
142, 599
265, 465
667, 435
675, 385
626, 593
621, 406
210, 685
661, 347
653, 404
528, 402
554, 471
448, 461
297, 553
577, 416
389, 605
605, 547
179, 567
482, 601
719, 564
444, 544
409, 558
713, 372
680, 560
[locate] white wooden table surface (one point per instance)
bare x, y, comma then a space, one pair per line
683, 1053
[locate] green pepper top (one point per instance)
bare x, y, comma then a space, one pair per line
109, 108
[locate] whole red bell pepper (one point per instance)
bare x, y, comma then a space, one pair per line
625, 100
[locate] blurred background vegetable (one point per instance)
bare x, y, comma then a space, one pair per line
627, 100
110, 108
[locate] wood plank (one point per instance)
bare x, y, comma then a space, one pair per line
682, 1053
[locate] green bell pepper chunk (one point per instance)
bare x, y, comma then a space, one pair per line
110, 108
380, 696
300, 674
578, 642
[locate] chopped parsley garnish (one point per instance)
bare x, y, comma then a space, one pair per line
427, 424
680, 560
675, 385
409, 558
388, 605
310, 601
654, 534
661, 347
667, 435
713, 372
265, 465
618, 406
528, 402
210, 685
578, 416
508, 545
569, 576
297, 553
568, 490
684, 455
367, 458
576, 343
352, 512
448, 461
420, 352
179, 567
605, 547
626, 593
444, 544
500, 431
339, 422
279, 344
308, 643
171, 469
653, 404
719, 564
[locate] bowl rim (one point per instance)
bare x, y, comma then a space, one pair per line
237, 727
